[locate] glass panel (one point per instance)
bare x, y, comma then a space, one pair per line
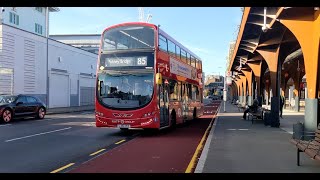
31, 100
22, 99
130, 90
163, 43
129, 37
183, 56
189, 91
175, 90
4, 99
193, 62
194, 92
11, 17
39, 9
178, 52
171, 48
14, 18
188, 58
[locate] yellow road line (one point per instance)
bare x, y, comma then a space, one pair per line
62, 168
120, 141
92, 154
199, 148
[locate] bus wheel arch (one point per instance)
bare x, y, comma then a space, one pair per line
194, 113
173, 118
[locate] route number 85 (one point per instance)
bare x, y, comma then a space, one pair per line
142, 61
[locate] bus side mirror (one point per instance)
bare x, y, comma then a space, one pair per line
102, 88
158, 79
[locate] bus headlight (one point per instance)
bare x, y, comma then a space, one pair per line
149, 114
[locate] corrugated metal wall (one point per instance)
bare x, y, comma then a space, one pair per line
86, 96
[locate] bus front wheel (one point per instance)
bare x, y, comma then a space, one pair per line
194, 114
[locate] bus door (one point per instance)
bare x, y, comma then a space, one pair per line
164, 104
185, 102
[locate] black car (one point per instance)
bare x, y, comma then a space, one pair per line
20, 106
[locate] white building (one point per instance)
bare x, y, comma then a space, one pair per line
88, 42
59, 74
31, 19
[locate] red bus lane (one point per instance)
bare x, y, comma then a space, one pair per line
167, 151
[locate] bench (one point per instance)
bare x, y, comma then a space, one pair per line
310, 147
258, 115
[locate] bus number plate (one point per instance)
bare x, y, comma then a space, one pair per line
123, 125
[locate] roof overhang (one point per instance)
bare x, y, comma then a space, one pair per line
54, 9
250, 35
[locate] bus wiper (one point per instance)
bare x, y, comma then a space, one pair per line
125, 73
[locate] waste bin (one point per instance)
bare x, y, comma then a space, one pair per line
266, 118
274, 120
298, 129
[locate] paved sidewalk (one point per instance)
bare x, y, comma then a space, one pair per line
237, 146
70, 109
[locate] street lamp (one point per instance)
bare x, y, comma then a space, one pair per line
219, 73
47, 36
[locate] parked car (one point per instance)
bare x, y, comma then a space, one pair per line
12, 106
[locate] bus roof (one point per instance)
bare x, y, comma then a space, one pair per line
160, 31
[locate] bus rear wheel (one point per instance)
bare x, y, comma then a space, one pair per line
173, 119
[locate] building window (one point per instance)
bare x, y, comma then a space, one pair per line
14, 18
38, 28
39, 9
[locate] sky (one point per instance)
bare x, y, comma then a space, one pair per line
206, 31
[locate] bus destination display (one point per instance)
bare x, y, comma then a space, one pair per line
126, 61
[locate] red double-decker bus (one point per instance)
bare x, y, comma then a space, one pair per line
146, 79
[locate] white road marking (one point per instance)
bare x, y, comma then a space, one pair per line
238, 129
37, 134
5, 125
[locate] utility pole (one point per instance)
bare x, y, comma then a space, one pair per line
141, 14
149, 18
224, 92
